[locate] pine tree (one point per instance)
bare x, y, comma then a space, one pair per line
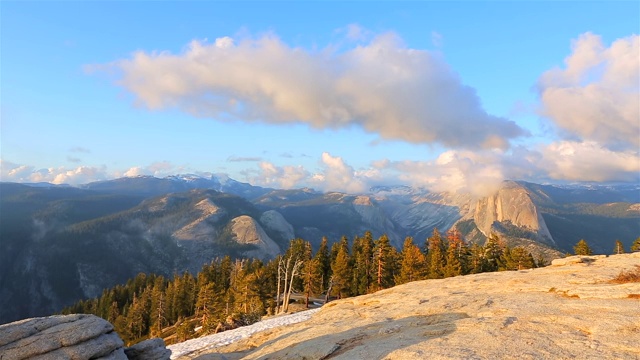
618, 248
519, 259
436, 255
385, 259
477, 262
236, 296
341, 273
582, 248
258, 291
636, 245
453, 266
457, 252
158, 307
493, 253
413, 263
541, 262
312, 281
205, 308
323, 261
136, 318
362, 256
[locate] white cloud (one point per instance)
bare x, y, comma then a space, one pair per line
333, 175
455, 171
596, 96
224, 42
338, 176
13, 172
476, 172
10, 171
157, 169
382, 86
355, 32
589, 161
284, 177
136, 171
79, 175
24, 173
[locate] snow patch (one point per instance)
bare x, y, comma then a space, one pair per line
224, 338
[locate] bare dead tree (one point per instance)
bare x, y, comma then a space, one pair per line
295, 271
280, 268
326, 297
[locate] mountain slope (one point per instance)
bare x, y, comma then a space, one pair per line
60, 245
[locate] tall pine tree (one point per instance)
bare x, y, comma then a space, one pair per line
413, 263
436, 255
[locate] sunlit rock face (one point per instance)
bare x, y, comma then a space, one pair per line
276, 222
248, 231
511, 204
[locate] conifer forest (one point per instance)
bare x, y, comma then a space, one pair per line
241, 291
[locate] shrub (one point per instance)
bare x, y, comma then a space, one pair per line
628, 276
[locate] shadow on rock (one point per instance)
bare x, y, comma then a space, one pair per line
371, 341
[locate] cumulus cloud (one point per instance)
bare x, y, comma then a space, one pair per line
333, 175
338, 176
157, 169
382, 86
589, 161
24, 173
596, 96
284, 177
478, 173
454, 171
12, 172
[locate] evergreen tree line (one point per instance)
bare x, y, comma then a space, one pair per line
583, 248
247, 289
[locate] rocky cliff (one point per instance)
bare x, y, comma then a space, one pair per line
248, 231
512, 205
570, 310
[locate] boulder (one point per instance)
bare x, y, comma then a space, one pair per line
152, 349
77, 336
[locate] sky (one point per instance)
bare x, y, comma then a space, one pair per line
336, 96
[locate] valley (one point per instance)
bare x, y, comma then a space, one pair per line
62, 243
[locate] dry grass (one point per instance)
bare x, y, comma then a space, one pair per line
627, 276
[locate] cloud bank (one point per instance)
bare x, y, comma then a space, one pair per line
382, 86
596, 96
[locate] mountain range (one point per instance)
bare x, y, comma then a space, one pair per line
62, 243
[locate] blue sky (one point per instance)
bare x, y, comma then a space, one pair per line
333, 95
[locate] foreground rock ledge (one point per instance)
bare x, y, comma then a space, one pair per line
569, 310
76, 336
